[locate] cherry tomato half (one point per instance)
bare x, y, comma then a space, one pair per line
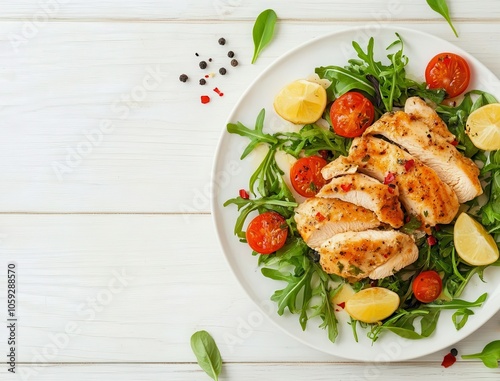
427, 286
351, 114
267, 232
448, 71
306, 177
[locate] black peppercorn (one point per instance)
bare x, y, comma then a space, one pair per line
196, 54
222, 41
234, 63
183, 78
454, 352
203, 65
209, 60
230, 54
202, 81
222, 71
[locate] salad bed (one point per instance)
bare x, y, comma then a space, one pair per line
308, 290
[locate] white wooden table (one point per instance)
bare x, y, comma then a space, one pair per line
105, 159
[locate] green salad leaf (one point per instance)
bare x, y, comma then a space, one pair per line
263, 31
489, 355
441, 7
207, 354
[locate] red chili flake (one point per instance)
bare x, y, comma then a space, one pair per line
409, 164
454, 143
431, 240
205, 99
391, 188
218, 92
437, 228
346, 187
244, 194
407, 219
320, 217
341, 305
206, 76
448, 360
323, 153
389, 178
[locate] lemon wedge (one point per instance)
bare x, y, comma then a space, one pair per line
301, 102
483, 127
473, 243
372, 304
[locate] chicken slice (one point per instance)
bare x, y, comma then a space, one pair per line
456, 170
421, 191
318, 219
427, 115
369, 193
371, 253
339, 167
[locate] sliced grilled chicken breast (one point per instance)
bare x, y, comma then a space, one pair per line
318, 219
456, 170
427, 115
339, 167
369, 193
421, 191
371, 253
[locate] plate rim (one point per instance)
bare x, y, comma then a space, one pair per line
213, 197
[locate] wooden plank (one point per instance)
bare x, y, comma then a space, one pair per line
241, 10
260, 371
74, 141
114, 288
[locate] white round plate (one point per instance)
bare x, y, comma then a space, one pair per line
230, 174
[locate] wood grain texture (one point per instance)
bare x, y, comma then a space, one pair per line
220, 10
261, 371
132, 287
135, 288
81, 134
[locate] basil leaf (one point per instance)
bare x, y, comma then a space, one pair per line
489, 355
207, 354
263, 31
441, 7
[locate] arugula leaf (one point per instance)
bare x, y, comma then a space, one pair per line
457, 303
386, 84
207, 354
441, 7
344, 80
256, 135
489, 355
263, 31
411, 225
460, 317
